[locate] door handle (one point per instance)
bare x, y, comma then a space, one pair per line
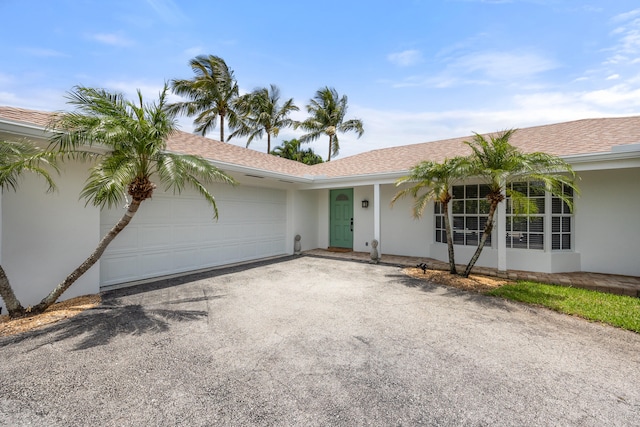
351, 224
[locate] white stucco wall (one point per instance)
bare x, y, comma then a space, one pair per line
322, 200
304, 217
607, 221
402, 234
46, 236
363, 218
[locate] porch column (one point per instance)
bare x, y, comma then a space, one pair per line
501, 234
376, 216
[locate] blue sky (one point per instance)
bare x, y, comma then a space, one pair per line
414, 71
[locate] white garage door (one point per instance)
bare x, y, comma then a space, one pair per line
173, 234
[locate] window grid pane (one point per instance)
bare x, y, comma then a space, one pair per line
561, 221
470, 210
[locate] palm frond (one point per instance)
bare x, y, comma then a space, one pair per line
17, 157
176, 171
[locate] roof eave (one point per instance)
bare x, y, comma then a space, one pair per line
604, 160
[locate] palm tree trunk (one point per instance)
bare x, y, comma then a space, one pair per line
268, 143
487, 231
221, 127
14, 307
447, 227
330, 147
89, 262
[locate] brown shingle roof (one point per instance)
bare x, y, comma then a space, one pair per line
39, 118
561, 139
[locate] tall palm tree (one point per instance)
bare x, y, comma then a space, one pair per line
291, 150
262, 113
328, 110
17, 158
211, 93
134, 135
498, 163
432, 182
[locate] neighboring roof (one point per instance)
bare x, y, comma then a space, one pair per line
578, 137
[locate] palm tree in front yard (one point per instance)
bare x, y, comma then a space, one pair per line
16, 158
498, 163
431, 182
128, 141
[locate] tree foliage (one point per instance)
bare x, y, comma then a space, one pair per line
497, 163
291, 150
431, 181
210, 94
327, 117
260, 113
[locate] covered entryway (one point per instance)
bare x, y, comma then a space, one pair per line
341, 218
173, 234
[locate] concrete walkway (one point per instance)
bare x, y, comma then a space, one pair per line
611, 283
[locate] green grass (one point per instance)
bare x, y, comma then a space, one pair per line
616, 310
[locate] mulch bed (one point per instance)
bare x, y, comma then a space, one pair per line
473, 283
58, 311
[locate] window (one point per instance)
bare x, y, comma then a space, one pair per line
525, 230
561, 218
441, 232
469, 208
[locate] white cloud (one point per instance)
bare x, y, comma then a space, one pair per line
112, 39
504, 65
627, 47
405, 58
168, 11
483, 68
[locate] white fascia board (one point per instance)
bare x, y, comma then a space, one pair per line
355, 180
24, 130
38, 133
607, 160
255, 172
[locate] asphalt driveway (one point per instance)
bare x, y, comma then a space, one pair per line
310, 341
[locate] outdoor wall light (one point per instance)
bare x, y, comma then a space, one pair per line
365, 203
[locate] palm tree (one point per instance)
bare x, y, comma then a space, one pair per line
134, 135
432, 182
498, 163
261, 113
291, 150
15, 159
327, 112
211, 93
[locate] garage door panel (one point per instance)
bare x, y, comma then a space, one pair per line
156, 263
186, 259
173, 234
187, 234
123, 241
155, 236
119, 269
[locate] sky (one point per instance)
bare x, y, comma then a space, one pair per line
413, 71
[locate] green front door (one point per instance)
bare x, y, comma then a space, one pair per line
341, 219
